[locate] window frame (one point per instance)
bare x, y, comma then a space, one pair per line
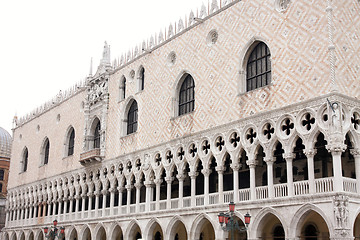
258, 59
186, 95
132, 118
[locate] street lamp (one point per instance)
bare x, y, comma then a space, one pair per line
54, 231
230, 223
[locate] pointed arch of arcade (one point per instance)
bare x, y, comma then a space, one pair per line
31, 235
13, 235
299, 218
130, 230
173, 224
100, 232
38, 234
260, 220
114, 230
198, 224
150, 227
6, 236
21, 235
85, 230
71, 233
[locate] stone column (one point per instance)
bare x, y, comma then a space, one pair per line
157, 197
65, 206
336, 150
148, 185
128, 199
96, 193
356, 154
310, 153
168, 191
289, 173
235, 167
53, 203
206, 173
49, 209
31, 210
181, 178
59, 207
26, 212
193, 176
104, 193
90, 196
77, 203
220, 171
252, 165
112, 200
71, 198
270, 175
336, 147
137, 201
120, 189
83, 199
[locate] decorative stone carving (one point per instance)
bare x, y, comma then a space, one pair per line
203, 12
341, 211
282, 5
214, 6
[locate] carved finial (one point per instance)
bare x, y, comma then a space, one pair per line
203, 12
214, 6
152, 42
91, 63
161, 37
143, 46
191, 18
106, 55
225, 2
171, 31
180, 25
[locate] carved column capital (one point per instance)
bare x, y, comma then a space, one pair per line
355, 152
310, 152
193, 174
220, 169
206, 172
288, 156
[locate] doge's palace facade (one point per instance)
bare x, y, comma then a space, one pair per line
252, 101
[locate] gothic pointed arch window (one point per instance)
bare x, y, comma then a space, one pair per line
258, 69
132, 118
97, 135
187, 95
45, 151
25, 159
70, 142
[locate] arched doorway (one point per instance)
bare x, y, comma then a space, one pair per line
155, 232
101, 234
238, 235
313, 227
22, 236
117, 233
357, 228
270, 228
87, 234
135, 232
204, 230
73, 235
178, 231
31, 236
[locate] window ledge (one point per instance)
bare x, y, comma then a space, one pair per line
259, 88
183, 115
68, 157
128, 135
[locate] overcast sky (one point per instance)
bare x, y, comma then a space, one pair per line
46, 45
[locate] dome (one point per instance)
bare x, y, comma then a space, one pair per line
5, 143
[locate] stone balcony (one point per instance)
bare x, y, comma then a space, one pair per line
90, 156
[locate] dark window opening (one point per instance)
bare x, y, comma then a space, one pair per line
132, 121
258, 67
97, 135
187, 96
71, 143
